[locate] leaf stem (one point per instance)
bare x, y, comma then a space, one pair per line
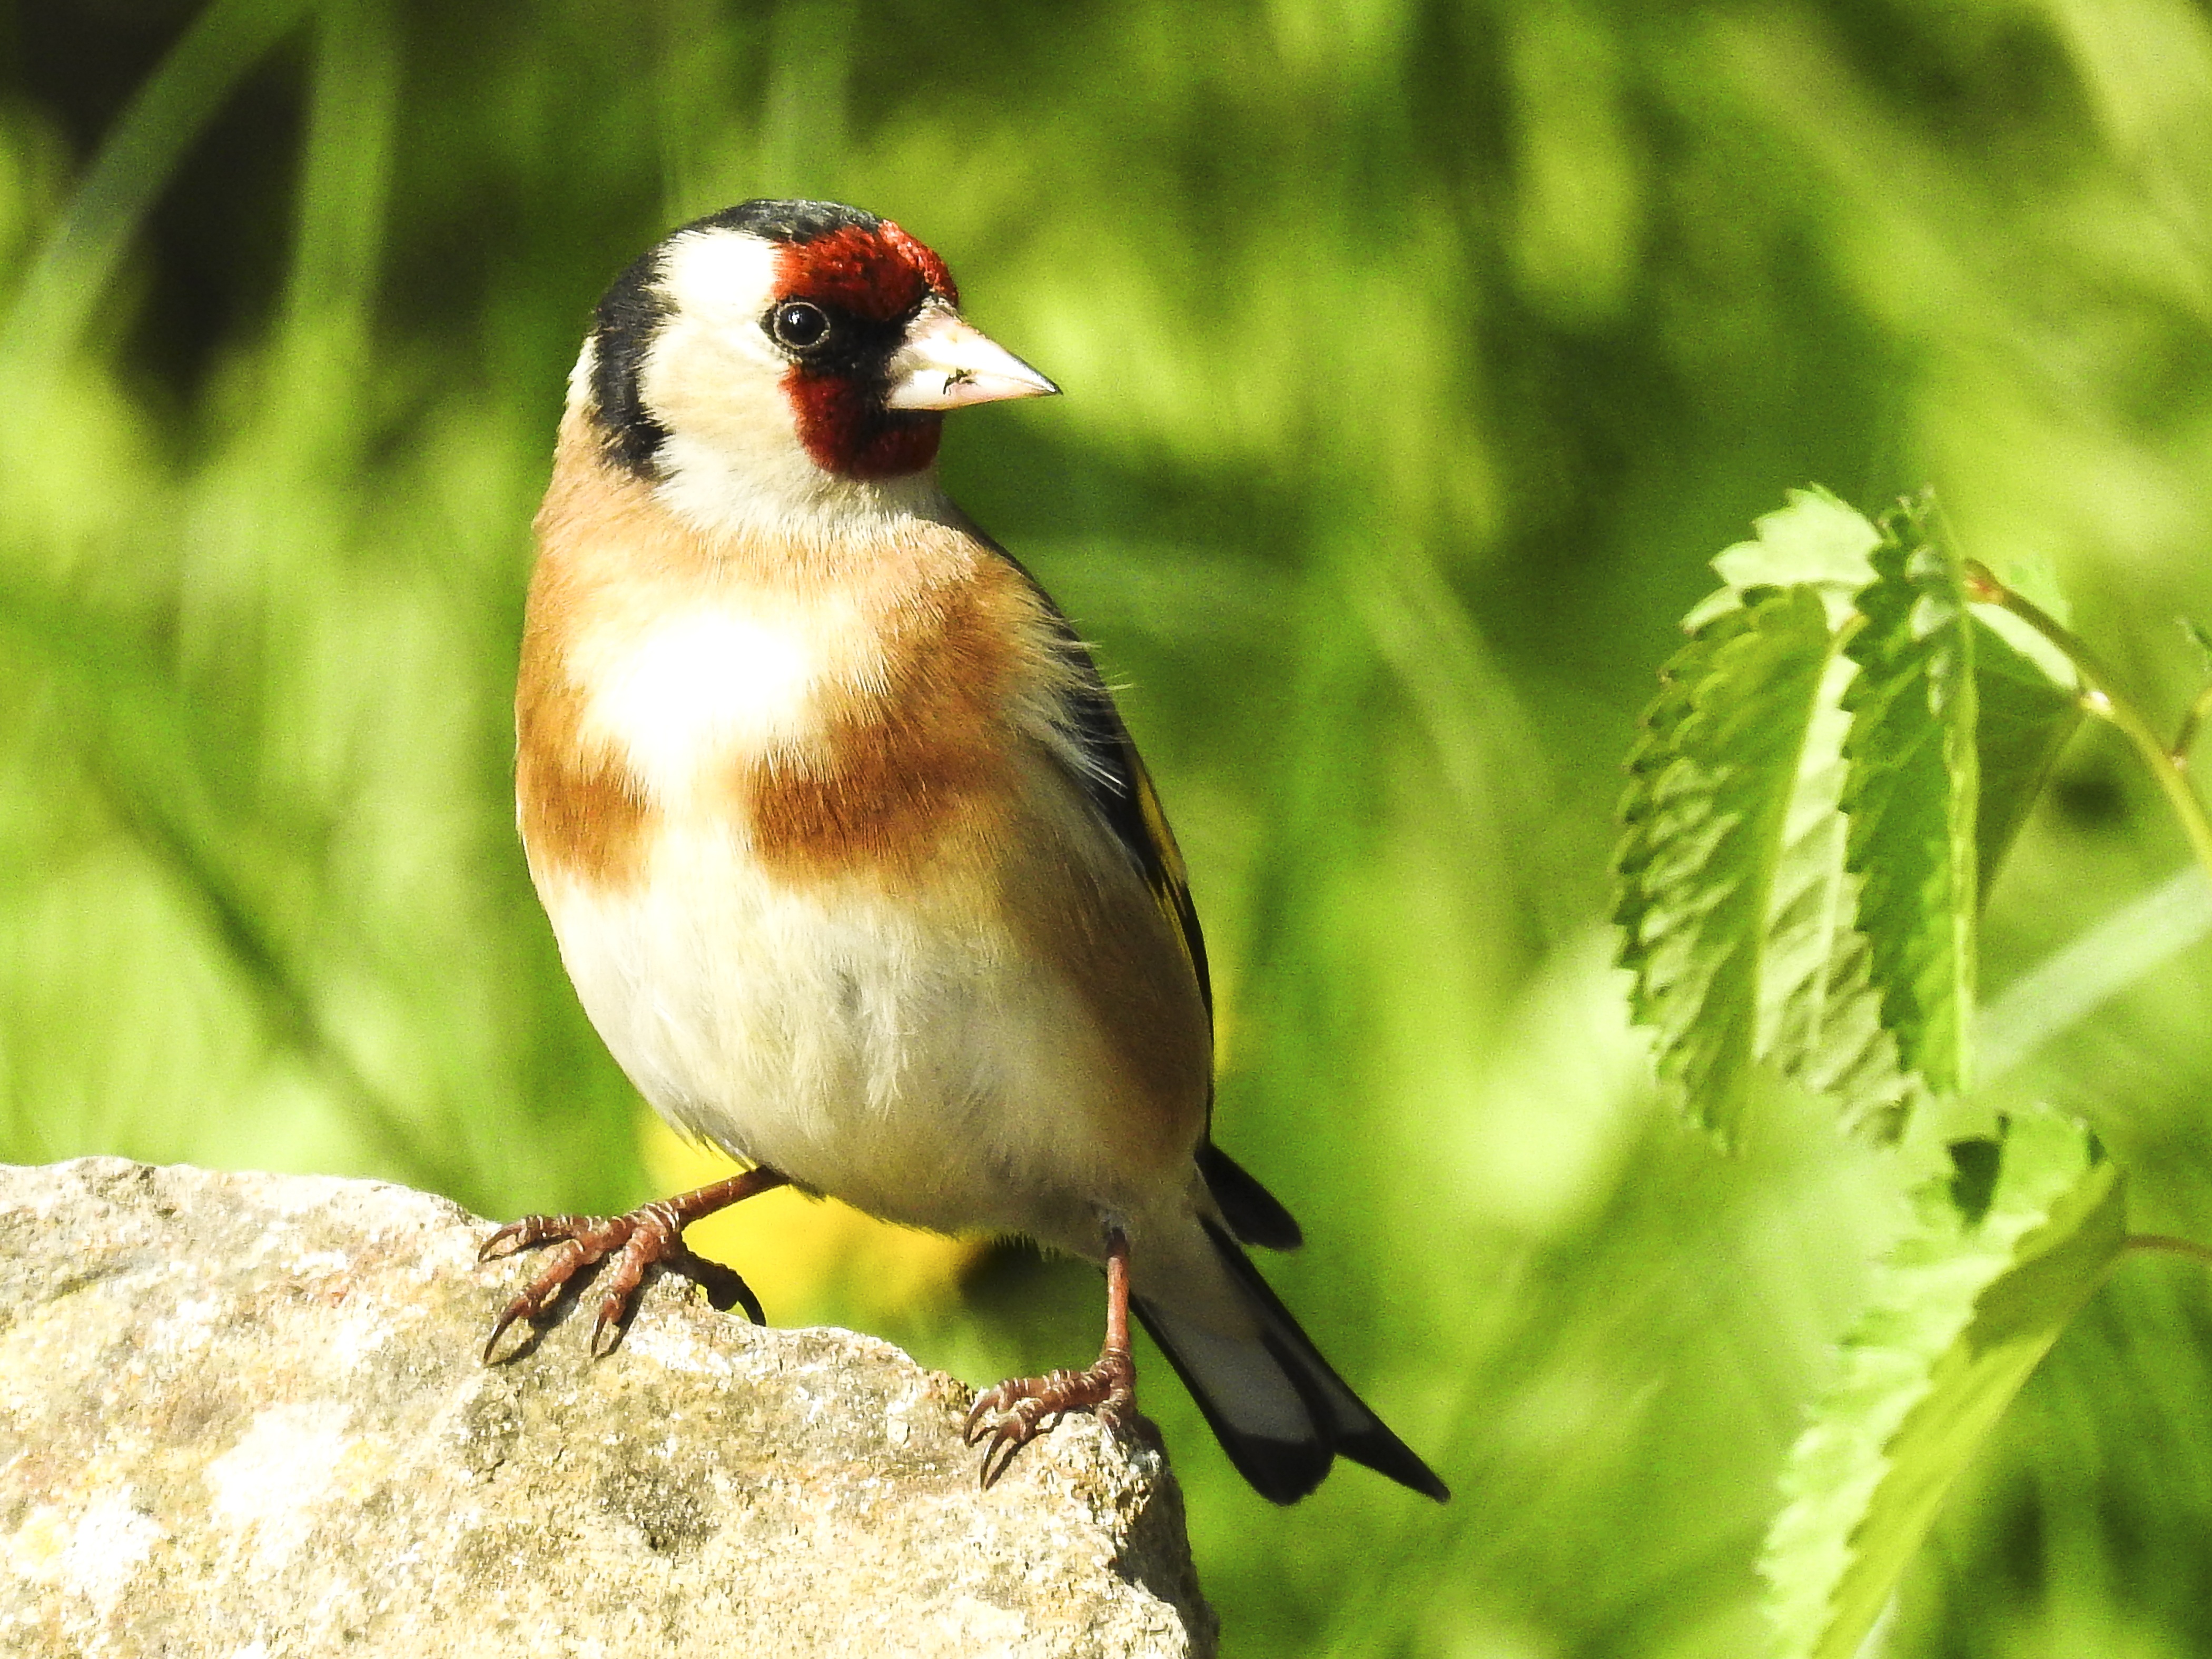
2168, 1246
2100, 695
2186, 739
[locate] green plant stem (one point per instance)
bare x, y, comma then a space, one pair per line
2168, 1246
2186, 739
2102, 698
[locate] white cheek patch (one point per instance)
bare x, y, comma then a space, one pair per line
698, 688
731, 461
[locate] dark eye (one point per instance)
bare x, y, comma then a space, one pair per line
798, 325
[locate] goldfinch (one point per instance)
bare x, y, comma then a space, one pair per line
849, 855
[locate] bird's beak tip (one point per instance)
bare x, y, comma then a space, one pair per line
946, 363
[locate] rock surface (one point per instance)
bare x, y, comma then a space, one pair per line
243, 1415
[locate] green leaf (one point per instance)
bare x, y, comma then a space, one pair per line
1910, 796
1830, 932
1819, 1015
1797, 954
1711, 784
1965, 1308
1816, 541
2024, 718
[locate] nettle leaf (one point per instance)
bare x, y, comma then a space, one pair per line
1757, 957
1911, 795
1807, 843
1710, 785
1816, 541
2005, 1250
1819, 1013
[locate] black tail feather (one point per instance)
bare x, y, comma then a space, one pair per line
1280, 1471
1285, 1469
1255, 1215
1353, 1428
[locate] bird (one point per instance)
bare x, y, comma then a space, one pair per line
848, 853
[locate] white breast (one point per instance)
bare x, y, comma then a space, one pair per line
692, 691
899, 1055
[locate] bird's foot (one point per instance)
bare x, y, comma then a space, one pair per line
649, 1236
1014, 1413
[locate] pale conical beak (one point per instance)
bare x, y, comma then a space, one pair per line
946, 364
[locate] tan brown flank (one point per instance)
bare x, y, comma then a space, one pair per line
581, 811
580, 814
1106, 936
918, 769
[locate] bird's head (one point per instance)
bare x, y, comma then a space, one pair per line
781, 359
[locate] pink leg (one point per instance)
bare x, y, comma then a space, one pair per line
650, 1236
1014, 1412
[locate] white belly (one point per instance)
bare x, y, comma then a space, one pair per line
902, 1058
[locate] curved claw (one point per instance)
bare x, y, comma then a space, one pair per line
499, 1328
995, 1401
1021, 1424
584, 1240
541, 1291
611, 1314
986, 1402
998, 1458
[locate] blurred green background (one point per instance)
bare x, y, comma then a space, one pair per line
1418, 356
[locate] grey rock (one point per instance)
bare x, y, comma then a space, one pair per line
243, 1415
